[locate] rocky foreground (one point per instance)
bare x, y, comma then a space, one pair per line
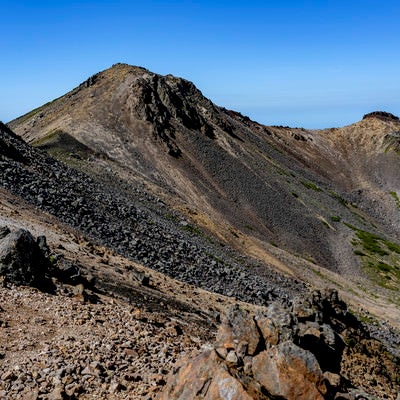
313, 350
64, 337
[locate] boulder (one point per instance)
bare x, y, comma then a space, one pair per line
238, 327
205, 377
22, 261
290, 372
268, 330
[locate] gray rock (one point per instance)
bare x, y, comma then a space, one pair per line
22, 262
4, 231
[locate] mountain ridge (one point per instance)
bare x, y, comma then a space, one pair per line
127, 110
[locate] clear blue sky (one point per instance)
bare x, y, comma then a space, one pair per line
300, 63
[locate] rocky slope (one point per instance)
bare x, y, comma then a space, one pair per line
293, 199
314, 350
136, 224
84, 338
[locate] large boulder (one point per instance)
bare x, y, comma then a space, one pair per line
290, 372
205, 377
22, 262
238, 327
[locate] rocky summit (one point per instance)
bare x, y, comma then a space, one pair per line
154, 245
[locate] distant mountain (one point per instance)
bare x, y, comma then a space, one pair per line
286, 196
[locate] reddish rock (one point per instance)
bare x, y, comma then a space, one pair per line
191, 378
268, 330
226, 387
287, 371
205, 377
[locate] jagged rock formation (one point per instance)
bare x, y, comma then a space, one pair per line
385, 116
306, 352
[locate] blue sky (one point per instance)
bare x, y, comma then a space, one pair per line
300, 63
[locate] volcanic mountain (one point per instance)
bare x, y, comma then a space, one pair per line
272, 192
133, 176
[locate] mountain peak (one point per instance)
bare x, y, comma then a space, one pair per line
382, 115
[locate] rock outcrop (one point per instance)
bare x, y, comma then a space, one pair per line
22, 260
383, 115
301, 352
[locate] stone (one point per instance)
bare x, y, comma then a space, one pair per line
22, 262
268, 330
141, 277
242, 349
226, 387
4, 231
57, 394
290, 372
282, 319
68, 272
238, 326
303, 310
332, 379
205, 377
192, 378
115, 387
222, 352
231, 358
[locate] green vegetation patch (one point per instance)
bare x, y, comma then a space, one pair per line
335, 218
380, 257
339, 198
371, 242
194, 230
49, 137
311, 185
396, 198
63, 146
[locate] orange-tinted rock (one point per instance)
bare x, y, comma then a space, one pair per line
205, 377
268, 330
191, 379
226, 387
290, 372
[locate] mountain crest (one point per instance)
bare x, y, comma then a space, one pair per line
382, 115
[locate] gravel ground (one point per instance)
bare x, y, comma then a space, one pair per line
56, 347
